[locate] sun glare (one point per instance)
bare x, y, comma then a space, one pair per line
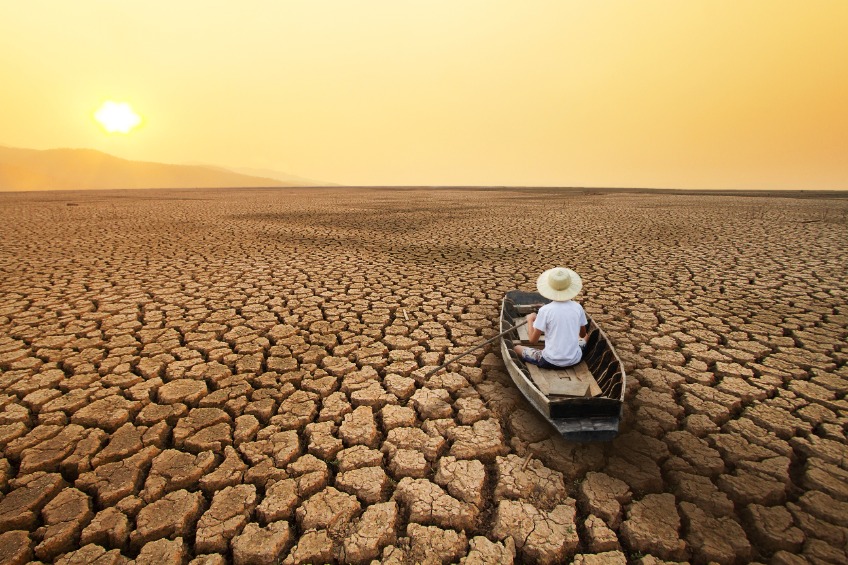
117, 117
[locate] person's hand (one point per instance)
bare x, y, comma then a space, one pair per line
531, 318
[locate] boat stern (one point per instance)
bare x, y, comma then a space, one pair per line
587, 430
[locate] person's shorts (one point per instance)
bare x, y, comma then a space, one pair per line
534, 356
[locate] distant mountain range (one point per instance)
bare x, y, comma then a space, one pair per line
87, 169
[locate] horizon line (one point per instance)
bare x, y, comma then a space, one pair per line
840, 192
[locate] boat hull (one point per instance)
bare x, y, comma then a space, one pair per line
583, 419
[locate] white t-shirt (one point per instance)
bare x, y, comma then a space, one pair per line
560, 322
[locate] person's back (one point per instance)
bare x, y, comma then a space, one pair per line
561, 323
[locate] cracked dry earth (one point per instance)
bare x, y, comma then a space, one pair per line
238, 376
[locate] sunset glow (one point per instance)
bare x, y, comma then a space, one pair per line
698, 94
117, 117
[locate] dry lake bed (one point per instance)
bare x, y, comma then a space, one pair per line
238, 376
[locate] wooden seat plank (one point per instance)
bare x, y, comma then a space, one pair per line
574, 381
522, 331
523, 334
583, 374
539, 378
568, 387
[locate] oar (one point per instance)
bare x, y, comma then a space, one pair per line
475, 348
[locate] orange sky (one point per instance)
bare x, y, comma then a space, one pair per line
694, 94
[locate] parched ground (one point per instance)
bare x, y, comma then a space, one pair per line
237, 376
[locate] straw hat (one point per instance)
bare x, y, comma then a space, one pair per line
559, 284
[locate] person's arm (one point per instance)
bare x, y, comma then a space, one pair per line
584, 329
533, 335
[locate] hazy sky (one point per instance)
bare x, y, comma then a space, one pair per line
693, 94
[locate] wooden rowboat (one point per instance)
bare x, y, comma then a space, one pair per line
583, 402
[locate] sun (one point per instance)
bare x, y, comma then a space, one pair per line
117, 117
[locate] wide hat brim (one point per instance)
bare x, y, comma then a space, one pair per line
545, 289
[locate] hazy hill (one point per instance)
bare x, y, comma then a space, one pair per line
277, 175
70, 169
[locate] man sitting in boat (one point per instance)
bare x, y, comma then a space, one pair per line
563, 322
